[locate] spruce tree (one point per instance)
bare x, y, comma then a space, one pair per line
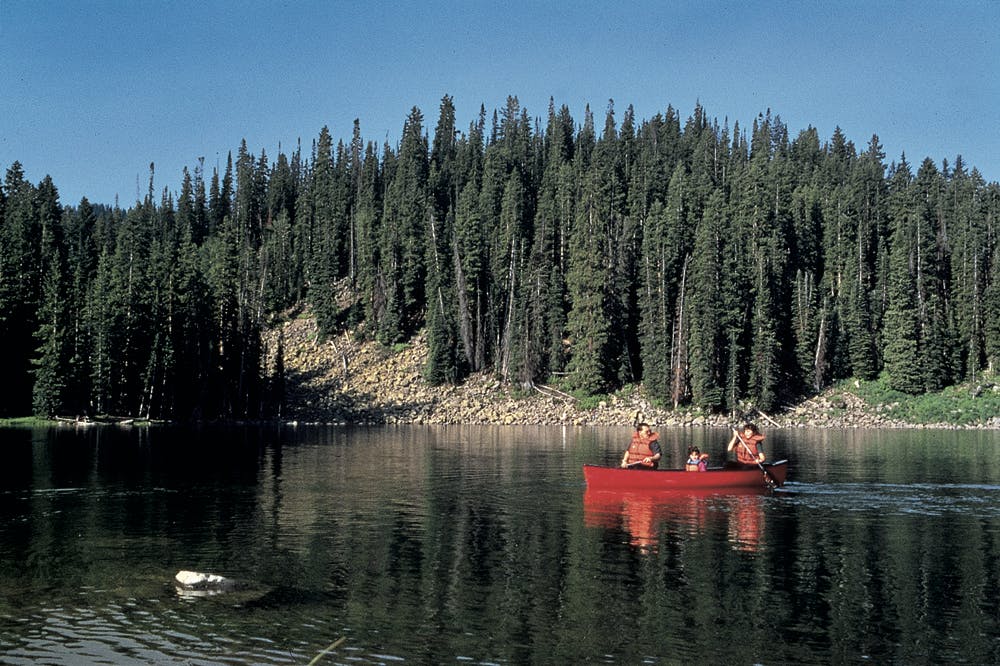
367, 233
508, 265
471, 278
51, 358
991, 294
19, 290
403, 250
707, 338
588, 324
326, 235
970, 259
933, 246
902, 316
81, 268
442, 335
862, 316
809, 304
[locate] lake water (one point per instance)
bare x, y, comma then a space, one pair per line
480, 545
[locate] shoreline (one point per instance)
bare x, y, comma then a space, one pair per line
341, 381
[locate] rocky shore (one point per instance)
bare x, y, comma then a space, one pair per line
344, 381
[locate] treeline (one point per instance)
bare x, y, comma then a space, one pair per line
714, 265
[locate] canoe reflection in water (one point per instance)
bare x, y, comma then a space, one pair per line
644, 515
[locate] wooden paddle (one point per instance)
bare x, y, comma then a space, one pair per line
768, 477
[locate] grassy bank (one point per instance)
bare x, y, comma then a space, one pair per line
967, 404
27, 421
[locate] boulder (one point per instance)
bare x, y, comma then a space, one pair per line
197, 584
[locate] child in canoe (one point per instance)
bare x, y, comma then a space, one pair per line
697, 461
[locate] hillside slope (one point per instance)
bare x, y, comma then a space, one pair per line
344, 381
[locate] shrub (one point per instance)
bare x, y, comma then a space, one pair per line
959, 405
588, 402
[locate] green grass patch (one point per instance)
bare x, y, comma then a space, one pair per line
588, 402
29, 421
876, 392
970, 403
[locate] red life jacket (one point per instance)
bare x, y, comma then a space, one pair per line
751, 442
639, 449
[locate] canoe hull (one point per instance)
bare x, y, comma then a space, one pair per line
616, 478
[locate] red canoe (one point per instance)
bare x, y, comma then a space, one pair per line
716, 478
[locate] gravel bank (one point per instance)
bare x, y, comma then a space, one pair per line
343, 381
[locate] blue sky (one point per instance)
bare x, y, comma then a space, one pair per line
92, 92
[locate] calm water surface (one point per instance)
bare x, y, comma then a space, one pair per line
481, 545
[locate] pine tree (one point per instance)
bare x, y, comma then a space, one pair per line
50, 362
809, 303
471, 278
81, 267
588, 324
675, 250
192, 331
495, 248
937, 336
280, 265
540, 349
613, 159
199, 211
767, 373
902, 317
403, 250
155, 352
220, 200
991, 290
327, 219
442, 335
121, 308
222, 275
367, 232
970, 260
762, 261
20, 279
51, 359
707, 338
861, 319
508, 266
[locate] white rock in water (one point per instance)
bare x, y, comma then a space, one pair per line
196, 579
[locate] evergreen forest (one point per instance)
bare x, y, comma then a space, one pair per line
714, 265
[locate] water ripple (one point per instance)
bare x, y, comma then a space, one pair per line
970, 500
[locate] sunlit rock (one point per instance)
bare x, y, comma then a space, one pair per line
197, 584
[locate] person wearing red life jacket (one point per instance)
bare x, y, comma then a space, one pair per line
745, 443
644, 450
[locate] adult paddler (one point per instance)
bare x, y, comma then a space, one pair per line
745, 443
643, 451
